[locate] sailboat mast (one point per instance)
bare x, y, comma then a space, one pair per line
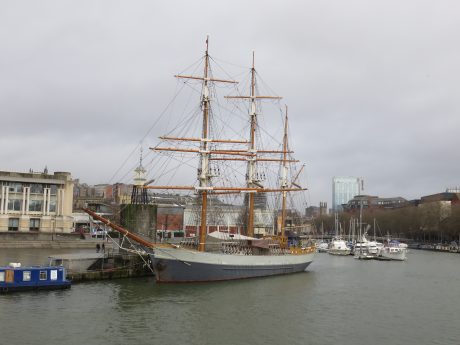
253, 105
252, 149
284, 183
360, 209
204, 154
252, 181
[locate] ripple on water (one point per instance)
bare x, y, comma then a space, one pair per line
338, 301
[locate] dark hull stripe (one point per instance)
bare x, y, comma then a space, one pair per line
5, 289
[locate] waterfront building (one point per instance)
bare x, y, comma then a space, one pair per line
436, 208
323, 208
373, 202
312, 212
343, 190
36, 202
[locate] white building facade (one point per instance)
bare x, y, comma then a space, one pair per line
343, 190
36, 202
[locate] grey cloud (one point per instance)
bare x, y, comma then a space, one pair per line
371, 86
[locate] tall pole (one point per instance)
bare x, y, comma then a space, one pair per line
284, 183
251, 173
204, 159
204, 152
360, 207
252, 148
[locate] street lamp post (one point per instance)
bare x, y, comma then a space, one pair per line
53, 222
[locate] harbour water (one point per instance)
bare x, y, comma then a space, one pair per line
339, 300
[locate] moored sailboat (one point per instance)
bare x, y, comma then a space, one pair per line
338, 246
393, 250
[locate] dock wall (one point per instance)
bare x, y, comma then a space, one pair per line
113, 267
45, 240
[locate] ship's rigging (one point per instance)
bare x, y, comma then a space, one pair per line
220, 157
208, 153
235, 164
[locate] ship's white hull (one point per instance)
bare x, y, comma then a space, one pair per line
339, 252
364, 255
393, 253
339, 247
180, 265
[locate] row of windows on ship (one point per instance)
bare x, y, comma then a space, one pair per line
27, 275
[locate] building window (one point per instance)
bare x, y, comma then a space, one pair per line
13, 224
43, 275
36, 188
26, 276
15, 187
53, 189
14, 205
53, 206
35, 205
34, 224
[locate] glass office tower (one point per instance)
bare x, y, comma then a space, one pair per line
343, 190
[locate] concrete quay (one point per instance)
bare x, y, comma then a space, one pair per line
49, 244
103, 265
129, 268
82, 260
47, 240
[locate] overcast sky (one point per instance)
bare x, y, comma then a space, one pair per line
372, 86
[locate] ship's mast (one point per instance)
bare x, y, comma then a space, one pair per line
204, 178
252, 180
284, 180
207, 154
252, 149
203, 172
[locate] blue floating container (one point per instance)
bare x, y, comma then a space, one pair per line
14, 277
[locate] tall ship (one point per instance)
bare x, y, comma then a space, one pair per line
237, 170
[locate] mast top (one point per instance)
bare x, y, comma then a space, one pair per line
252, 96
206, 78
